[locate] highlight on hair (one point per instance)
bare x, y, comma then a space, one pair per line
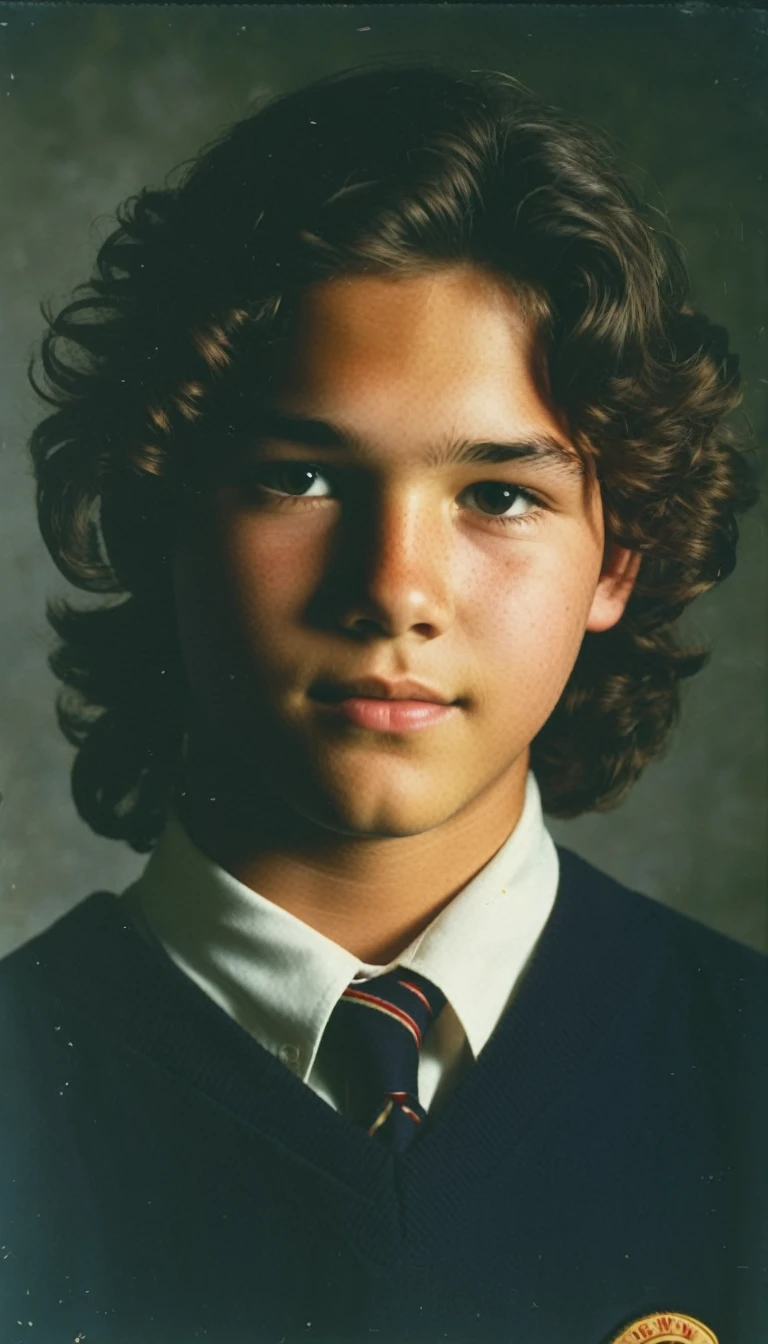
389, 171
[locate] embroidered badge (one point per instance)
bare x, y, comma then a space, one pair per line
666, 1327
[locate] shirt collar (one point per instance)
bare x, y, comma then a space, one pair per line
280, 978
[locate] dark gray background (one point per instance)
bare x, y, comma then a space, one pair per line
97, 100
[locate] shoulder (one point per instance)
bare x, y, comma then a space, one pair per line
700, 962
63, 962
80, 924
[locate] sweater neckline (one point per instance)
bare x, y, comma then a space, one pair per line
600, 944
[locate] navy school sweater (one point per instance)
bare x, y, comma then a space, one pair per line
164, 1179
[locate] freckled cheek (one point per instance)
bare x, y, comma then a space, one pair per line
266, 576
526, 623
236, 602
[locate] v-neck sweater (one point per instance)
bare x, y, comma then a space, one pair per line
165, 1179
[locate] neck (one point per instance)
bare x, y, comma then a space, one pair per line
372, 896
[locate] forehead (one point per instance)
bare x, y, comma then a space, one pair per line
447, 343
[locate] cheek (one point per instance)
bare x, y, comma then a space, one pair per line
223, 614
524, 623
242, 577
269, 573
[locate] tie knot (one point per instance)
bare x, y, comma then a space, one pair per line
409, 1000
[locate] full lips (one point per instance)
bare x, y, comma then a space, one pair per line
391, 715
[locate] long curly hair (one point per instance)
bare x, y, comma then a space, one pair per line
389, 171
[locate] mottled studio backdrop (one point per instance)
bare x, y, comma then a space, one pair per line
96, 100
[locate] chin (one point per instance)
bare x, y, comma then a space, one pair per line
385, 816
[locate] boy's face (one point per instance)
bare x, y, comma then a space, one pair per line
391, 565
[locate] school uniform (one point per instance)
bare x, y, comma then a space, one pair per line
184, 1158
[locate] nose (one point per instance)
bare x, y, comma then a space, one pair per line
396, 566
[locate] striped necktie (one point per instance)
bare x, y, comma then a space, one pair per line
379, 1025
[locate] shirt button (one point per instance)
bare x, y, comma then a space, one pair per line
289, 1055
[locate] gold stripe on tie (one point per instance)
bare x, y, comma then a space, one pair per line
381, 1118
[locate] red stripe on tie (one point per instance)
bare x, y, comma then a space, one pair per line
373, 1001
416, 990
412, 1114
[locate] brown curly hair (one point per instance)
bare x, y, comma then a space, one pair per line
391, 170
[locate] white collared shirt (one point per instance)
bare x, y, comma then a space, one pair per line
280, 979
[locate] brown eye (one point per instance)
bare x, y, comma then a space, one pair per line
289, 478
500, 495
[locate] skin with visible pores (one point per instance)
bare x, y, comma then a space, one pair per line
383, 562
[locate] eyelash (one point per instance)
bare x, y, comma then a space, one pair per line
282, 500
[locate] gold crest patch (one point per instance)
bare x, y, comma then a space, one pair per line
666, 1327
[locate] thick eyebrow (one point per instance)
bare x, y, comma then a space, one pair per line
313, 433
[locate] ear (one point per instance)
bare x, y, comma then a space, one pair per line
617, 579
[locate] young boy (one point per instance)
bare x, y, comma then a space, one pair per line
395, 433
